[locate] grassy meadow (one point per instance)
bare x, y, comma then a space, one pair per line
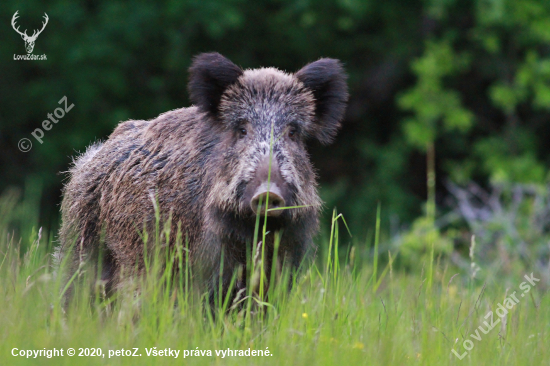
352, 306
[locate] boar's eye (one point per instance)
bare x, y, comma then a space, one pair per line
292, 131
243, 131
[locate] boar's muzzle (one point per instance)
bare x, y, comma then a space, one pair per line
268, 187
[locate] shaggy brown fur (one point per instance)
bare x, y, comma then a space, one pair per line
200, 164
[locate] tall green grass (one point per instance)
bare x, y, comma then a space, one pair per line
341, 310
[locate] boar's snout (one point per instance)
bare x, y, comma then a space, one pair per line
264, 183
275, 200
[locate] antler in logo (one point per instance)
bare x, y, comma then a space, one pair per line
29, 41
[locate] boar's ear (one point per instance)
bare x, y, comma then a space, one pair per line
209, 76
327, 80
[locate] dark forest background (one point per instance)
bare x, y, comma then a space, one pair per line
465, 84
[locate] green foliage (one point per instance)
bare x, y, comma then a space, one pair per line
414, 244
511, 159
473, 78
511, 154
430, 101
19, 211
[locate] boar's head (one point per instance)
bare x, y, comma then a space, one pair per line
265, 116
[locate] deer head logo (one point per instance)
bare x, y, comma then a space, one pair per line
29, 41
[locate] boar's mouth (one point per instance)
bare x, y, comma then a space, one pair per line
244, 226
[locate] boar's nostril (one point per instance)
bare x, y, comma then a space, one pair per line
275, 201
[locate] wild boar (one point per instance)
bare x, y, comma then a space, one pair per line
208, 167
